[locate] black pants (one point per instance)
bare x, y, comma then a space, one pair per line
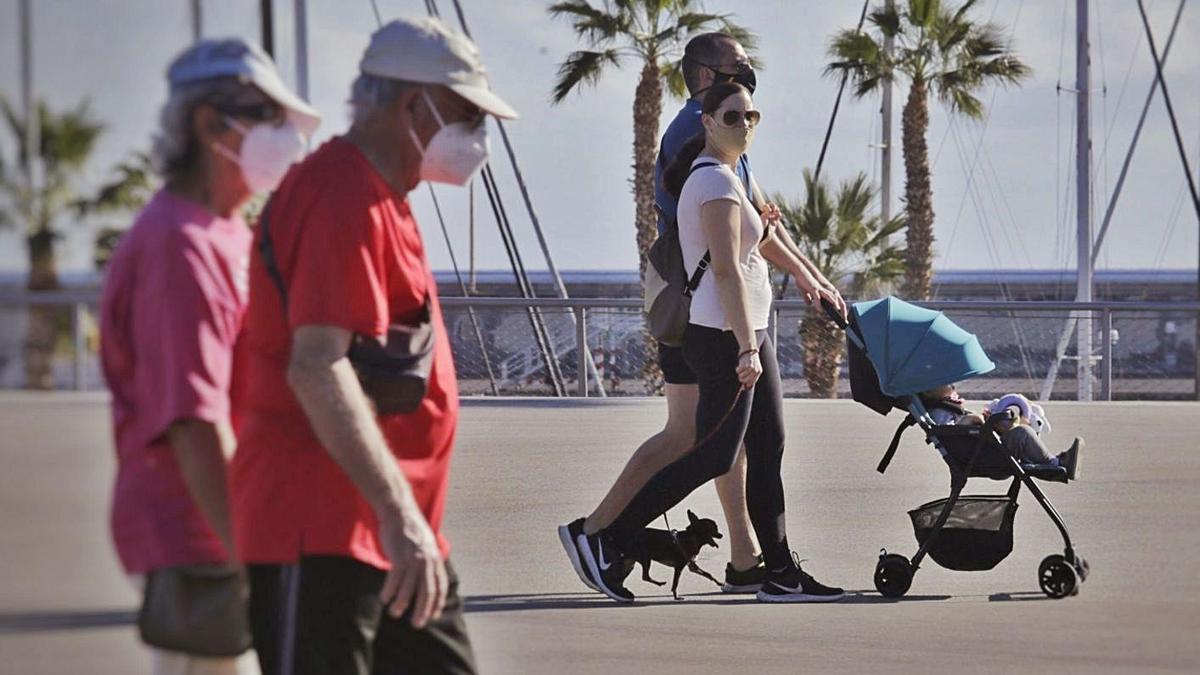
323, 615
757, 418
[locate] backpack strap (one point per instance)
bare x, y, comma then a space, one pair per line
266, 248
905, 423
693, 281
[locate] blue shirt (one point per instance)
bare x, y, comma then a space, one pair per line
685, 125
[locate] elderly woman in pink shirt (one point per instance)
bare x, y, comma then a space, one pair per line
172, 306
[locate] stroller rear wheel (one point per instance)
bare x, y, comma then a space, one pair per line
1057, 577
893, 575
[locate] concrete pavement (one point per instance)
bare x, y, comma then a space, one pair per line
524, 466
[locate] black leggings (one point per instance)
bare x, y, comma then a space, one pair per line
757, 419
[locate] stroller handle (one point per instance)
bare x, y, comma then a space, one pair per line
834, 315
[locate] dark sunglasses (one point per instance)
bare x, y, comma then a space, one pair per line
267, 111
733, 117
739, 68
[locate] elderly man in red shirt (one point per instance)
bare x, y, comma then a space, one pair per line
337, 509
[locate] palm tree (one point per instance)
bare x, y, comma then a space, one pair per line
65, 144
131, 187
846, 240
652, 33
938, 48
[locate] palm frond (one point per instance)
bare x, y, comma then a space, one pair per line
594, 24
887, 21
859, 55
672, 76
582, 67
16, 127
923, 13
745, 37
128, 191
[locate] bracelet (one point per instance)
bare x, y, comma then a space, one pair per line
751, 352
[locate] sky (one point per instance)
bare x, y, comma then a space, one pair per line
1003, 189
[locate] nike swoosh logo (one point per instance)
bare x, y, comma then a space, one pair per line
604, 564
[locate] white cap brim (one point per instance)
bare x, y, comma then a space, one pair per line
304, 116
485, 100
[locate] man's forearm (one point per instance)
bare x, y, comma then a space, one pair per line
200, 450
342, 418
787, 242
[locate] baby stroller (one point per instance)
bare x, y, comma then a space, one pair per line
897, 350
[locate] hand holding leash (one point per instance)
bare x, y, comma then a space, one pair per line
749, 368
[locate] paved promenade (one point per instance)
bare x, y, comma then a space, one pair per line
524, 466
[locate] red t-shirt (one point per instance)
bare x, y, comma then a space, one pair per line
351, 256
174, 295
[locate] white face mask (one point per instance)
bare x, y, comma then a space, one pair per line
267, 153
454, 153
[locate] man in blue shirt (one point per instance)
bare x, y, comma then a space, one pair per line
708, 59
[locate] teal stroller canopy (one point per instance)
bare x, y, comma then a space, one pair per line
915, 349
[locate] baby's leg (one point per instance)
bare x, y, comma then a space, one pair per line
1023, 442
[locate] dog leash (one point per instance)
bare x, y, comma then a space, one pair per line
709, 437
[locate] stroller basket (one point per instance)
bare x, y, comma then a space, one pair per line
977, 535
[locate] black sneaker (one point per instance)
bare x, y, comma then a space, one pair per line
744, 581
567, 534
795, 585
606, 566
1069, 459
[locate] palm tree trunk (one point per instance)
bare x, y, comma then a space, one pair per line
41, 332
918, 195
647, 106
822, 344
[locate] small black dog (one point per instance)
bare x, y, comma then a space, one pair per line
674, 549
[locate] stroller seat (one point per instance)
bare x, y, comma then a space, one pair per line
960, 442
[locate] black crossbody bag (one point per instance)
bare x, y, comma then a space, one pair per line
393, 374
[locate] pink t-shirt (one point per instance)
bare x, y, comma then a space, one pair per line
174, 296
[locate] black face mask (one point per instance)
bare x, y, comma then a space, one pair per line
744, 75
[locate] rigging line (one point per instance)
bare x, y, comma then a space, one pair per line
1124, 84
837, 102
988, 117
549, 355
783, 285
1169, 232
1162, 83
560, 287
487, 362
1104, 162
534, 316
378, 17
992, 247
553, 360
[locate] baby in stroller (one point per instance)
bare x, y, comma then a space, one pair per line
1021, 436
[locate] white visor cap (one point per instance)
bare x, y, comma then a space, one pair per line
234, 57
426, 51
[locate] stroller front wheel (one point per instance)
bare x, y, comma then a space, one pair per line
893, 575
1057, 577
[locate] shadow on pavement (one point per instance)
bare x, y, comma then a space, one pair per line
1020, 596
36, 622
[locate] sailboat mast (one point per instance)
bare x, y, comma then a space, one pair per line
1083, 209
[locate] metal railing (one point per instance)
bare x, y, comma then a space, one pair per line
579, 325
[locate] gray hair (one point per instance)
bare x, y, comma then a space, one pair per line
371, 93
175, 151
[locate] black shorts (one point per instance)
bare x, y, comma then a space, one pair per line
323, 615
674, 369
